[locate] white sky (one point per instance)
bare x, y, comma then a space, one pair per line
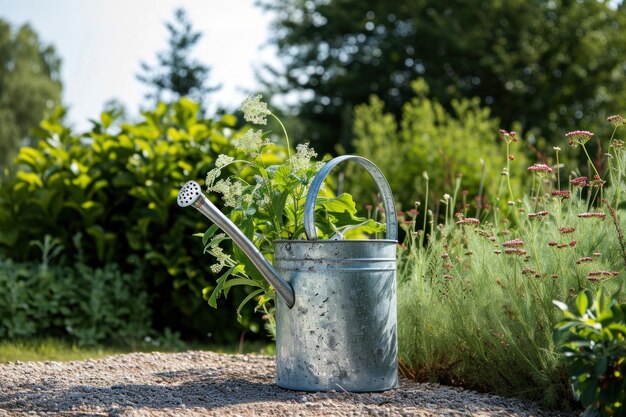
102, 42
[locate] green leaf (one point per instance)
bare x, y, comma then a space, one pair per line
246, 300
582, 303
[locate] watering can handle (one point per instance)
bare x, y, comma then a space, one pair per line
377, 176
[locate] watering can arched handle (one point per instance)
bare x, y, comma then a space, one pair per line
377, 176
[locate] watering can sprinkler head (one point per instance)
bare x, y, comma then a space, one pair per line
191, 195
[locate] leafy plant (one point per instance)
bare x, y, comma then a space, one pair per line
116, 185
267, 196
90, 305
592, 339
430, 138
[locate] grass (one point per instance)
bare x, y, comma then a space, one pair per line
475, 294
53, 349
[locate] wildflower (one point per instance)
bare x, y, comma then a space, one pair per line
556, 148
448, 276
605, 273
552, 243
211, 177
578, 181
578, 137
511, 157
616, 120
445, 256
254, 110
540, 168
513, 243
597, 181
413, 213
469, 220
528, 271
446, 197
617, 144
573, 243
497, 252
301, 160
251, 142
508, 137
566, 230
223, 160
400, 214
596, 254
592, 214
564, 194
231, 192
515, 251
583, 259
368, 207
542, 213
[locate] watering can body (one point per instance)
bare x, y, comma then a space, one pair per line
340, 333
336, 313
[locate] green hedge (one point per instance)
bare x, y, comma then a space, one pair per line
116, 185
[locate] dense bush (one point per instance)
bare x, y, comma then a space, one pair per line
117, 186
428, 138
592, 337
92, 305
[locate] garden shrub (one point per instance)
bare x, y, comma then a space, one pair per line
117, 185
475, 291
592, 337
91, 305
429, 138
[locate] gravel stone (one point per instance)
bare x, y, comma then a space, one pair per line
211, 384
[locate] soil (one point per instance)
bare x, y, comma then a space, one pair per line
210, 384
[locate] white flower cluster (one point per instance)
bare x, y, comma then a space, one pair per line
251, 142
223, 160
231, 191
223, 259
301, 160
254, 110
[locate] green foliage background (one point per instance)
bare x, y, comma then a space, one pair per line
430, 139
547, 64
29, 85
117, 186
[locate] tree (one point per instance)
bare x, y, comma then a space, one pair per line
547, 64
177, 75
30, 85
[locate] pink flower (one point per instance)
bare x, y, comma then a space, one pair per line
540, 168
565, 230
563, 194
578, 181
593, 214
578, 137
469, 220
616, 120
538, 214
513, 243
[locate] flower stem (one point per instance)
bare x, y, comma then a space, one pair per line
286, 135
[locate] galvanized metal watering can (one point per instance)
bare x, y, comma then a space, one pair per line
336, 314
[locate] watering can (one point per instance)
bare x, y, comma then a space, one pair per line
336, 311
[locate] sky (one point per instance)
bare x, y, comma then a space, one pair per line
102, 43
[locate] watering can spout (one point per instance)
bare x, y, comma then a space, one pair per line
191, 195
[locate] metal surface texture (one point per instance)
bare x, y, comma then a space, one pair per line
341, 332
191, 195
379, 179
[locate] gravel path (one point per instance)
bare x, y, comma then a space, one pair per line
210, 384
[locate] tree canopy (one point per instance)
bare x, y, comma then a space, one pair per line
29, 85
176, 73
547, 64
